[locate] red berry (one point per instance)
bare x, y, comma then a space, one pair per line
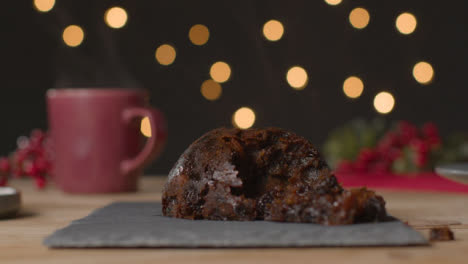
393, 139
17, 173
407, 132
3, 181
4, 165
361, 167
367, 155
42, 165
421, 160
431, 134
40, 182
420, 146
381, 166
37, 134
345, 166
30, 169
391, 155
20, 155
421, 152
430, 129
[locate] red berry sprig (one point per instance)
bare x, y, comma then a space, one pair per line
32, 158
393, 146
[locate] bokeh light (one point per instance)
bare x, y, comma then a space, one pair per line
359, 18
211, 90
145, 127
44, 5
220, 71
333, 2
116, 17
297, 77
73, 35
273, 30
199, 34
243, 118
165, 54
423, 72
384, 102
353, 87
406, 23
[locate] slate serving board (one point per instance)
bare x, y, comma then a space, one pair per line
141, 224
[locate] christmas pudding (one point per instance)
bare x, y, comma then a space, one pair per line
262, 174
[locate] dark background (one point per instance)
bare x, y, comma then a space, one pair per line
317, 36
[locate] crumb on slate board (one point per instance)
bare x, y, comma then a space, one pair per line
441, 234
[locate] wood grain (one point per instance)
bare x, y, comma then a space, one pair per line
45, 211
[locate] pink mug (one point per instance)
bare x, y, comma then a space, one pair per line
96, 138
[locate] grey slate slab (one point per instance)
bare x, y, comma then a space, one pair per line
141, 224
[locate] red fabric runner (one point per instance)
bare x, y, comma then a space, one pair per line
415, 182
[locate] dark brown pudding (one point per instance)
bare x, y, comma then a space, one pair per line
262, 174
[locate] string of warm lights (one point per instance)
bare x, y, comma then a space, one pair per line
405, 23
273, 30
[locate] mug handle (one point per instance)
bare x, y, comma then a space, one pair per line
154, 144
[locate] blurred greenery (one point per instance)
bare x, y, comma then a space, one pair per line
404, 162
344, 143
454, 148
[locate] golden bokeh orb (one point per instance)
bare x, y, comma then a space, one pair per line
145, 127
384, 102
44, 5
73, 35
359, 18
165, 54
353, 87
116, 17
423, 72
211, 90
273, 30
220, 71
243, 118
406, 23
333, 2
297, 77
199, 34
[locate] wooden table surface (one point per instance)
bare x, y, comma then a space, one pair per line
45, 211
